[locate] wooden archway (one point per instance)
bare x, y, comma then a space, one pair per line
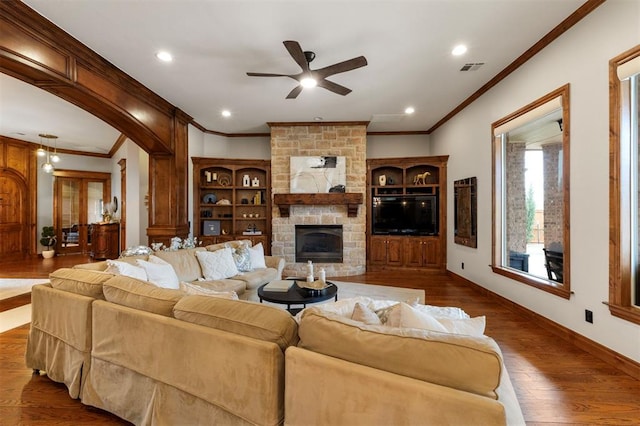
36, 51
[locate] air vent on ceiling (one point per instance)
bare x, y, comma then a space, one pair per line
472, 66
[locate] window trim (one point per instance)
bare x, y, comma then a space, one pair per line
559, 289
620, 220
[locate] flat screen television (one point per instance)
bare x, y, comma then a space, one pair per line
405, 215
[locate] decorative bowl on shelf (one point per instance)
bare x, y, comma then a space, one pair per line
209, 199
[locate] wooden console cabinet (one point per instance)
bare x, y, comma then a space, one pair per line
231, 198
105, 240
406, 178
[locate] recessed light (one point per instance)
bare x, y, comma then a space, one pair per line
409, 110
460, 49
164, 56
226, 113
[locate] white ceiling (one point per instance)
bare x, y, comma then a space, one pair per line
407, 44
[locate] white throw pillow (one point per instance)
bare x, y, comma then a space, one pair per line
118, 267
365, 314
217, 265
160, 274
405, 316
257, 256
197, 290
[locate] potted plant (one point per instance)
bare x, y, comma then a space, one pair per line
48, 239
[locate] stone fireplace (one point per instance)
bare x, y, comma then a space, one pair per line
321, 139
319, 243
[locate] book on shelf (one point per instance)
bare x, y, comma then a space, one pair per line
279, 285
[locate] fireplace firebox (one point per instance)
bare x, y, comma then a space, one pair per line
319, 243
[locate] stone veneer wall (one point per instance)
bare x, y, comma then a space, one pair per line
350, 141
553, 195
516, 196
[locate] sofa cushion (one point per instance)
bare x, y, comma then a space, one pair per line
141, 295
117, 267
472, 364
233, 244
237, 286
256, 253
81, 281
256, 278
190, 288
249, 319
159, 272
217, 265
184, 262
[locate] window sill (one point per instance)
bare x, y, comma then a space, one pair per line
557, 289
629, 313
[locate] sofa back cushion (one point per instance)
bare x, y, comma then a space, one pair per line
233, 244
240, 317
80, 281
472, 364
184, 262
127, 291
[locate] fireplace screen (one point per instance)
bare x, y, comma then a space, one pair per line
319, 243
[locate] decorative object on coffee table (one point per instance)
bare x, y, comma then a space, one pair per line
297, 295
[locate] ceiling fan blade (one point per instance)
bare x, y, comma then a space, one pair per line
344, 66
297, 54
295, 92
334, 87
265, 74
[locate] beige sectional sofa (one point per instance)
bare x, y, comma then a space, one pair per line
158, 356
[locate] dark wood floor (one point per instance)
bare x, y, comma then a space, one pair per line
556, 382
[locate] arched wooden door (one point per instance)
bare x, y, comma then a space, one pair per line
14, 218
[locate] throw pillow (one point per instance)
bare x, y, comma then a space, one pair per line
407, 317
364, 314
117, 267
257, 256
386, 313
217, 265
201, 291
242, 258
160, 274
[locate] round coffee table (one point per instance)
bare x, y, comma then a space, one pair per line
298, 296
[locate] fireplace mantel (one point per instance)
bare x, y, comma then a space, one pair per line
350, 199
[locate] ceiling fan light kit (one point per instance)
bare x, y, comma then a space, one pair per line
310, 78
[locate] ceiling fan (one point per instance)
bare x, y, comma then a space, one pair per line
311, 78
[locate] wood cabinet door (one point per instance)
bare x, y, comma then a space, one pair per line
413, 252
431, 252
395, 251
13, 217
378, 250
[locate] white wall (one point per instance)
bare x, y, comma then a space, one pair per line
256, 148
379, 146
137, 188
580, 57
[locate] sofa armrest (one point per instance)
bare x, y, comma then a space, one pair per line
93, 266
275, 262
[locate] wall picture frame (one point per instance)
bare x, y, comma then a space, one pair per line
317, 174
210, 227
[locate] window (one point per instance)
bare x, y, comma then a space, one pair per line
624, 238
531, 194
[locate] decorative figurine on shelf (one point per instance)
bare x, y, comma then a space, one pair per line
245, 180
382, 180
421, 178
255, 182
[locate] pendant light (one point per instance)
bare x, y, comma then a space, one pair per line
47, 167
40, 152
